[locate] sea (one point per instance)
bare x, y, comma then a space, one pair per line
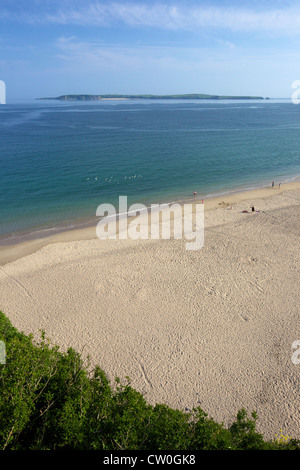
59, 160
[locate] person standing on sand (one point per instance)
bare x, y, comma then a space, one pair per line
273, 184
279, 185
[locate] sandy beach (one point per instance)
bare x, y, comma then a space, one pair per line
212, 328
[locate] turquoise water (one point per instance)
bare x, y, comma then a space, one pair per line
60, 160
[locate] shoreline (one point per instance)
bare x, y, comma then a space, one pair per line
11, 250
212, 327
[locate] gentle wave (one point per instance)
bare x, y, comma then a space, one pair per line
58, 164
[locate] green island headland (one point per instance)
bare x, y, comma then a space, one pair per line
193, 96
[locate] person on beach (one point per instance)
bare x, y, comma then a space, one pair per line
279, 185
273, 184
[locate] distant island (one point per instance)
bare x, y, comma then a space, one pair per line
150, 97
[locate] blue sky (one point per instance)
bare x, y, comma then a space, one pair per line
51, 47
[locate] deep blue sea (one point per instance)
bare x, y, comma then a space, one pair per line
60, 160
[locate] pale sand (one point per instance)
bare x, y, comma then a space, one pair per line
210, 328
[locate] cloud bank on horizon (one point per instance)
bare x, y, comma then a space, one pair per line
215, 47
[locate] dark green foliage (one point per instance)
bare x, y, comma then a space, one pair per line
50, 400
244, 433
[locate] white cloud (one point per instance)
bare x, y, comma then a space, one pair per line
282, 20
182, 18
190, 59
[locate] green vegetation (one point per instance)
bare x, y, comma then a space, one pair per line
49, 400
194, 96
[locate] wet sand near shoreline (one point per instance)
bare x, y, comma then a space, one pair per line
210, 328
29, 243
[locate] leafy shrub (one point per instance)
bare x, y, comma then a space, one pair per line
50, 400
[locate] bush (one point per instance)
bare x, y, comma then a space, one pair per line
49, 400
